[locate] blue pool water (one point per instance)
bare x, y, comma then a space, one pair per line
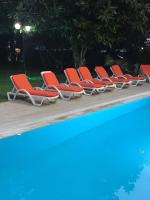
100, 156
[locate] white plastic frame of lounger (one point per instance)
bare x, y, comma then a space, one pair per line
119, 85
65, 95
87, 90
107, 87
136, 82
132, 83
147, 77
24, 93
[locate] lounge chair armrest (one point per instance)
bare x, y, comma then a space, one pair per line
129, 75
64, 84
23, 91
141, 75
145, 74
87, 81
106, 79
53, 87
75, 84
121, 77
38, 88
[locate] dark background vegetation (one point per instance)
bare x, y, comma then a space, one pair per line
72, 33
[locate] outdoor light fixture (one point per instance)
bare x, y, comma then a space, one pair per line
24, 31
22, 28
17, 26
27, 28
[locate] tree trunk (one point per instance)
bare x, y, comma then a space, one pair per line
79, 54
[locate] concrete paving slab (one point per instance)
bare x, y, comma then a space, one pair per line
20, 116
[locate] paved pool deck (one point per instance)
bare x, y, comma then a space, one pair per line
19, 116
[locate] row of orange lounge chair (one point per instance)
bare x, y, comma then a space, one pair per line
78, 83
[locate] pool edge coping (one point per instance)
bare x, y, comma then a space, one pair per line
73, 113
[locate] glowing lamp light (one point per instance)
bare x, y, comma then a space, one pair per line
17, 26
27, 28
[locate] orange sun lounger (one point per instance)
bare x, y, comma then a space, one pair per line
135, 80
85, 74
103, 75
145, 69
74, 79
65, 91
22, 87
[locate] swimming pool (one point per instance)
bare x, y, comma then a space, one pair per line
100, 156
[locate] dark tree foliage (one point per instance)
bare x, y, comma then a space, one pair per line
85, 23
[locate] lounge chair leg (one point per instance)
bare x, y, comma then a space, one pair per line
105, 89
8, 96
13, 94
121, 86
66, 98
63, 97
148, 78
34, 103
88, 93
134, 83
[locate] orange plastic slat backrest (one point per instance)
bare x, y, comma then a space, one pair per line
72, 75
50, 78
21, 82
145, 69
101, 72
85, 73
117, 70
